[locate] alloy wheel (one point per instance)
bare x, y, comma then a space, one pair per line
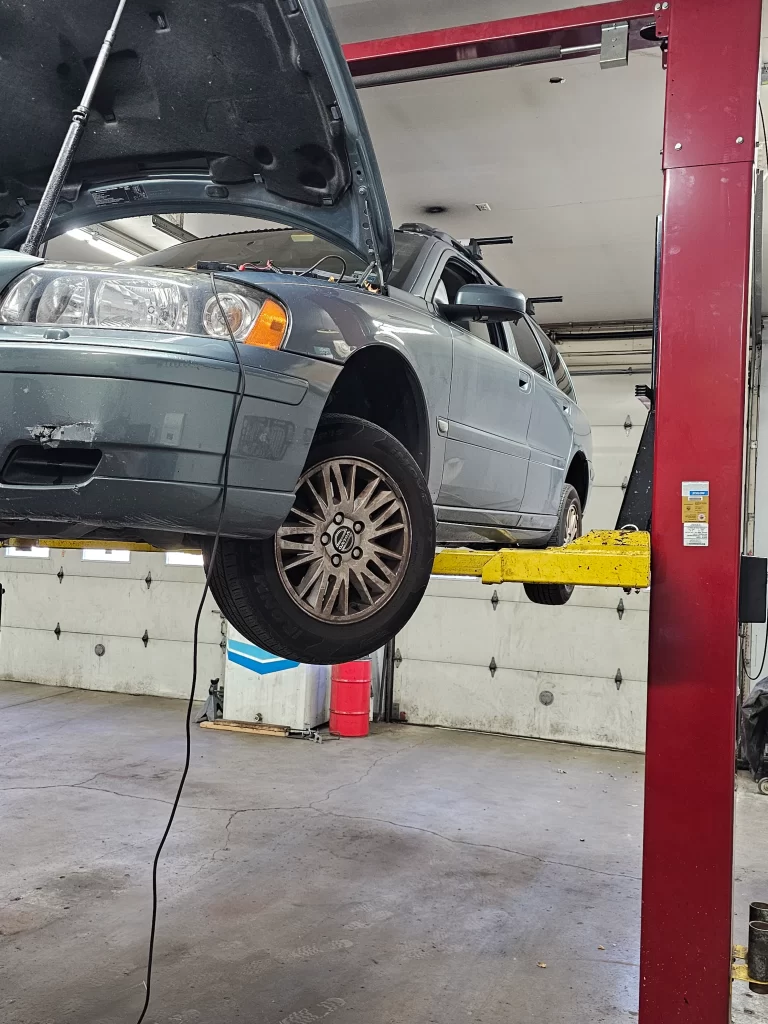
344, 548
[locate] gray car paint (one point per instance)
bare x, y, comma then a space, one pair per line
143, 395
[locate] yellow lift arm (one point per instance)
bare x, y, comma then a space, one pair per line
604, 558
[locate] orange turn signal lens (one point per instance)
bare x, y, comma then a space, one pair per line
269, 327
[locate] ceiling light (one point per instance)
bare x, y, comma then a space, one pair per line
556, 80
435, 209
99, 243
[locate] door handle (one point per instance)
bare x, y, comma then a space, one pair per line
524, 382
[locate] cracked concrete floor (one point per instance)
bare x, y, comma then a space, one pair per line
414, 876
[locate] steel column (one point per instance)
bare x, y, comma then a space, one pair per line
709, 150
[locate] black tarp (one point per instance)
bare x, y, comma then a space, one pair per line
754, 728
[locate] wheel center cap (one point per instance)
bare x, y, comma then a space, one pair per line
343, 539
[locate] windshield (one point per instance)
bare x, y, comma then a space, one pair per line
284, 249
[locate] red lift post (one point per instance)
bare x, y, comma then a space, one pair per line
708, 163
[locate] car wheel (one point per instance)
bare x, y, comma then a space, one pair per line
349, 566
568, 529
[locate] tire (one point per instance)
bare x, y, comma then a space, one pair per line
259, 588
559, 593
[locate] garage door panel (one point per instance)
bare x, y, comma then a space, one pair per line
587, 709
603, 508
528, 636
614, 439
609, 400
108, 605
162, 668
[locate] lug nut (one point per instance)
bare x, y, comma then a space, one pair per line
338, 518
357, 553
359, 527
336, 561
325, 539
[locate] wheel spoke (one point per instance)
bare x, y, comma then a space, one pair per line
303, 560
380, 532
342, 487
365, 495
296, 545
327, 486
380, 500
323, 504
319, 587
361, 585
309, 516
386, 552
381, 567
330, 602
309, 579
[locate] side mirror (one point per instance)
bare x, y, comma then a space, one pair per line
487, 302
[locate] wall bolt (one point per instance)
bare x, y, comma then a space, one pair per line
739, 139
678, 145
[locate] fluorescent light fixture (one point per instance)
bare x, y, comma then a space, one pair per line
99, 243
183, 558
30, 552
105, 555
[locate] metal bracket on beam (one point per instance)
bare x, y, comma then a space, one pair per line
614, 45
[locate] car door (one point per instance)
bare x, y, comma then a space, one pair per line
486, 455
550, 430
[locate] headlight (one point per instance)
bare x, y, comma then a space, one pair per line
163, 301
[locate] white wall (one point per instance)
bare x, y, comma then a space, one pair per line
106, 603
573, 652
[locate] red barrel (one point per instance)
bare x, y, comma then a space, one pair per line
351, 698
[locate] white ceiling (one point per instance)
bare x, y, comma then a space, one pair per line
571, 170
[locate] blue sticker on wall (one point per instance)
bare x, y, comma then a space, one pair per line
255, 659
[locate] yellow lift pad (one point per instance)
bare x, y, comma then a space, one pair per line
603, 558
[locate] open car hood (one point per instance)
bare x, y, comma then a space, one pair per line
240, 107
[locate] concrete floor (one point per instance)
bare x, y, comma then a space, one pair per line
412, 877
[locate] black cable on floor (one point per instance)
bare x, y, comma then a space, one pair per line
754, 679
188, 718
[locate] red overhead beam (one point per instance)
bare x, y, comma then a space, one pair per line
574, 27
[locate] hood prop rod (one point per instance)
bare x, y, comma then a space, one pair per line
58, 176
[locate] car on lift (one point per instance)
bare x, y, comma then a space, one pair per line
331, 399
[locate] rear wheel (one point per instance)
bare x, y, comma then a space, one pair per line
568, 529
348, 568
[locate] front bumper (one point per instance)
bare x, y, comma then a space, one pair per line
126, 431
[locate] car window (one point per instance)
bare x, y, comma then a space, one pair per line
285, 249
528, 348
453, 276
559, 369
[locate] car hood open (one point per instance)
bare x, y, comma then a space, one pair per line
240, 107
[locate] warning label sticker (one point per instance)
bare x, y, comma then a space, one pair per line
696, 535
695, 513
118, 195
